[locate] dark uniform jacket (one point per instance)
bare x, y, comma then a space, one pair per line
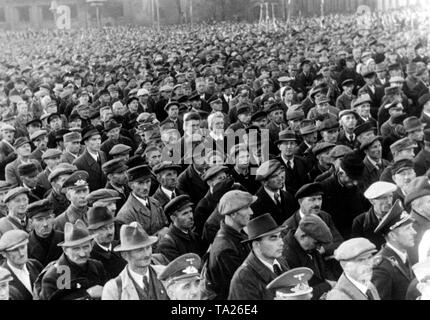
225, 257
391, 276
296, 177
59, 202
176, 243
265, 204
112, 261
251, 278
21, 292
81, 278
297, 257
45, 250
190, 183
87, 163
364, 226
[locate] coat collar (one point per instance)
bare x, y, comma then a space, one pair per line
259, 268
396, 262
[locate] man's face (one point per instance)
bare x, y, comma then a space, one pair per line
119, 109
192, 126
200, 87
330, 136
276, 181
8, 135
345, 180
52, 162
244, 117
277, 116
56, 123
33, 128
73, 147
184, 219
404, 178
169, 179
133, 106
271, 246
41, 143
43, 225
242, 217
106, 114
382, 204
22, 108
349, 122
153, 158
30, 181
185, 289
141, 188
173, 112
261, 122
375, 151
288, 148
105, 234
4, 291
311, 138
361, 269
323, 108
114, 133
24, 150
105, 99
364, 110
18, 205
118, 178
79, 254
405, 235
139, 258
17, 257
416, 135
311, 205
93, 143
406, 154
78, 196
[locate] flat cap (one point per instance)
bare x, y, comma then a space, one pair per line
379, 189
13, 239
316, 228
176, 204
38, 134
20, 142
363, 99
62, 169
308, 127
309, 190
295, 113
292, 283
114, 166
39, 208
77, 179
243, 108
322, 147
354, 249
396, 217
166, 165
419, 187
5, 186
401, 165
402, 144
235, 200
266, 169
102, 195
329, 124
339, 151
363, 128
185, 266
213, 171
369, 141
346, 112
120, 149
28, 169
139, 173
7, 127
51, 153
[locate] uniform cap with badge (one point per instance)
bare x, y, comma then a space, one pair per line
77, 180
183, 267
395, 218
293, 284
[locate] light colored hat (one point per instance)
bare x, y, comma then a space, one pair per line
235, 200
76, 234
13, 239
379, 189
353, 249
133, 236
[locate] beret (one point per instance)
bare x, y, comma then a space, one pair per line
309, 190
185, 266
316, 228
42, 207
353, 249
379, 189
176, 204
234, 201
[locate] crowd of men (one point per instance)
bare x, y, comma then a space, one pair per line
226, 161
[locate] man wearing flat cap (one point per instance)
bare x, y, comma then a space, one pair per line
180, 238
116, 173
93, 158
51, 158
182, 278
140, 206
23, 150
43, 240
356, 258
393, 274
167, 175
348, 120
271, 196
263, 264
227, 251
112, 131
302, 249
24, 271
380, 196
7, 153
120, 151
40, 141
401, 149
139, 279
57, 195
72, 147
101, 223
76, 189
74, 276
28, 175
16, 201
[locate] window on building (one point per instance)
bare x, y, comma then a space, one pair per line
73, 11
47, 14
2, 15
23, 13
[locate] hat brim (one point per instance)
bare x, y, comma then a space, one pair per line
98, 225
17, 245
78, 242
254, 198
418, 127
276, 230
285, 140
304, 133
151, 240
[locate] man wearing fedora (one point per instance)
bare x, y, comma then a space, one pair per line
302, 248
139, 279
227, 251
181, 278
180, 238
415, 131
24, 271
16, 200
271, 198
140, 206
296, 168
112, 131
74, 276
43, 240
263, 264
374, 164
92, 159
101, 223
309, 133
23, 150
76, 187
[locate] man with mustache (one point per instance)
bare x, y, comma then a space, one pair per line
393, 274
43, 240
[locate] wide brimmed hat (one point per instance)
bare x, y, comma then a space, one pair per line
262, 226
133, 236
99, 217
76, 234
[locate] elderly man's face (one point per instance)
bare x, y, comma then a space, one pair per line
275, 181
185, 289
360, 269
168, 179
17, 257
18, 205
364, 110
311, 205
382, 205
43, 225
183, 219
79, 254
78, 196
105, 234
349, 122
141, 188
8, 135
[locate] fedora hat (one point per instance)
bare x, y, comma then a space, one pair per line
75, 234
133, 236
262, 226
413, 123
286, 135
99, 217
